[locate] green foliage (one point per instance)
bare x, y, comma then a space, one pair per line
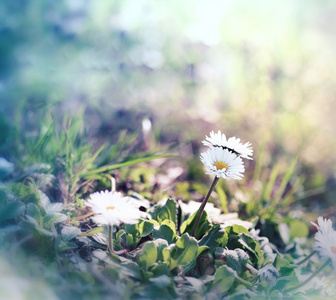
66, 153
214, 238
203, 225
161, 257
236, 259
219, 260
181, 253
165, 232
224, 279
10, 210
276, 192
148, 255
167, 211
253, 247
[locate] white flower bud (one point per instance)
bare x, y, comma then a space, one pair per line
269, 274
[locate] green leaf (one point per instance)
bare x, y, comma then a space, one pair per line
129, 269
236, 259
126, 240
160, 245
286, 282
34, 211
53, 218
68, 233
141, 229
170, 224
160, 268
64, 246
44, 200
203, 225
196, 283
253, 247
145, 228
182, 253
168, 211
164, 232
48, 206
283, 266
236, 229
92, 231
161, 281
11, 210
224, 278
30, 225
138, 231
147, 255
200, 250
215, 237
25, 193
155, 223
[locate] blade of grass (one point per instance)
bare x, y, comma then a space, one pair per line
257, 168
87, 166
222, 198
284, 182
270, 183
116, 149
125, 164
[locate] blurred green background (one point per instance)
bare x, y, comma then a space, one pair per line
259, 70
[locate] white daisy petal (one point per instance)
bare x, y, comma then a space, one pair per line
233, 144
223, 163
215, 140
325, 239
113, 209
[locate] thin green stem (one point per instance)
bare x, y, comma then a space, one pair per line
268, 294
306, 258
309, 278
252, 270
113, 184
110, 242
204, 202
244, 282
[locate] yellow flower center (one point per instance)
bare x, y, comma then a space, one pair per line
110, 207
333, 249
220, 165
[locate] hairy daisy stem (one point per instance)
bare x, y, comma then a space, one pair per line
310, 277
306, 258
204, 202
252, 270
110, 242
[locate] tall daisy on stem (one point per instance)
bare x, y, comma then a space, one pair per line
222, 160
111, 208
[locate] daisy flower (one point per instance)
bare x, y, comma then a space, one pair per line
233, 144
223, 163
269, 274
112, 208
215, 140
325, 239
